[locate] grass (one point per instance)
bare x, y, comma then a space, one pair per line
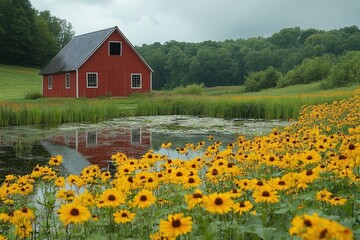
15, 81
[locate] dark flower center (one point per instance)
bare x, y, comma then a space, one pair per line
323, 233
307, 223
124, 214
143, 198
219, 201
351, 146
260, 183
281, 182
197, 195
191, 180
24, 210
74, 212
242, 204
309, 157
309, 172
179, 174
265, 194
176, 223
111, 197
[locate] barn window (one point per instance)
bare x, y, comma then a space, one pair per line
92, 80
135, 136
136, 80
91, 138
115, 48
50, 82
67, 80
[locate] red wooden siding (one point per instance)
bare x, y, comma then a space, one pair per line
58, 85
114, 72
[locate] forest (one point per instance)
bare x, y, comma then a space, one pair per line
291, 56
29, 37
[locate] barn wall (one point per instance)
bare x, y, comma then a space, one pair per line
58, 88
114, 72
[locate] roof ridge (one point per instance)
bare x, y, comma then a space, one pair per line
106, 29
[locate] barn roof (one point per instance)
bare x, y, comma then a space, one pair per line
79, 49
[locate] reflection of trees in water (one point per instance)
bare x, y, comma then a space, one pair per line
23, 148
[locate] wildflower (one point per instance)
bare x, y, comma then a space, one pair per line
191, 181
55, 160
176, 225
23, 228
111, 198
144, 199
73, 213
123, 216
160, 236
241, 207
194, 198
166, 145
266, 194
60, 182
220, 203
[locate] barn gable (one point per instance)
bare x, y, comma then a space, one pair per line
79, 49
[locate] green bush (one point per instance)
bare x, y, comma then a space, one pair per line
33, 95
192, 89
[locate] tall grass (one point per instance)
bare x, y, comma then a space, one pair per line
267, 107
52, 115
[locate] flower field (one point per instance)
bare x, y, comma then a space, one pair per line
300, 182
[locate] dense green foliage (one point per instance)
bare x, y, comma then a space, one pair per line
291, 56
29, 37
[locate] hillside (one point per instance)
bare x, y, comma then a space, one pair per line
15, 81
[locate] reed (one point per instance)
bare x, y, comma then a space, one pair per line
267, 107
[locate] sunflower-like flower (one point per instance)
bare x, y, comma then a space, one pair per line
55, 160
144, 199
73, 213
176, 225
111, 198
220, 203
194, 198
266, 194
243, 206
160, 236
123, 216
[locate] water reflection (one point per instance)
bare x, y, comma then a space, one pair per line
22, 148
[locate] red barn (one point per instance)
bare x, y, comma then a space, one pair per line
101, 63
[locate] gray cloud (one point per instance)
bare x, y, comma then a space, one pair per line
144, 21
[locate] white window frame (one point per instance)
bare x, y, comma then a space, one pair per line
87, 79
120, 48
135, 136
136, 74
91, 138
50, 82
67, 80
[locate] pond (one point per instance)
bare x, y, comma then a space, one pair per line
22, 148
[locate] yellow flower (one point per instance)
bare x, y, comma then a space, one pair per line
241, 207
166, 145
123, 216
111, 198
55, 160
160, 236
23, 228
73, 213
220, 203
144, 199
194, 198
176, 225
265, 194
60, 182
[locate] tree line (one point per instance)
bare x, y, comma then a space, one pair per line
290, 56
30, 37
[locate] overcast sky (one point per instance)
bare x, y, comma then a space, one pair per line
149, 21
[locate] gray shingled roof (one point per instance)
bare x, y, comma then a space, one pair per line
79, 49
